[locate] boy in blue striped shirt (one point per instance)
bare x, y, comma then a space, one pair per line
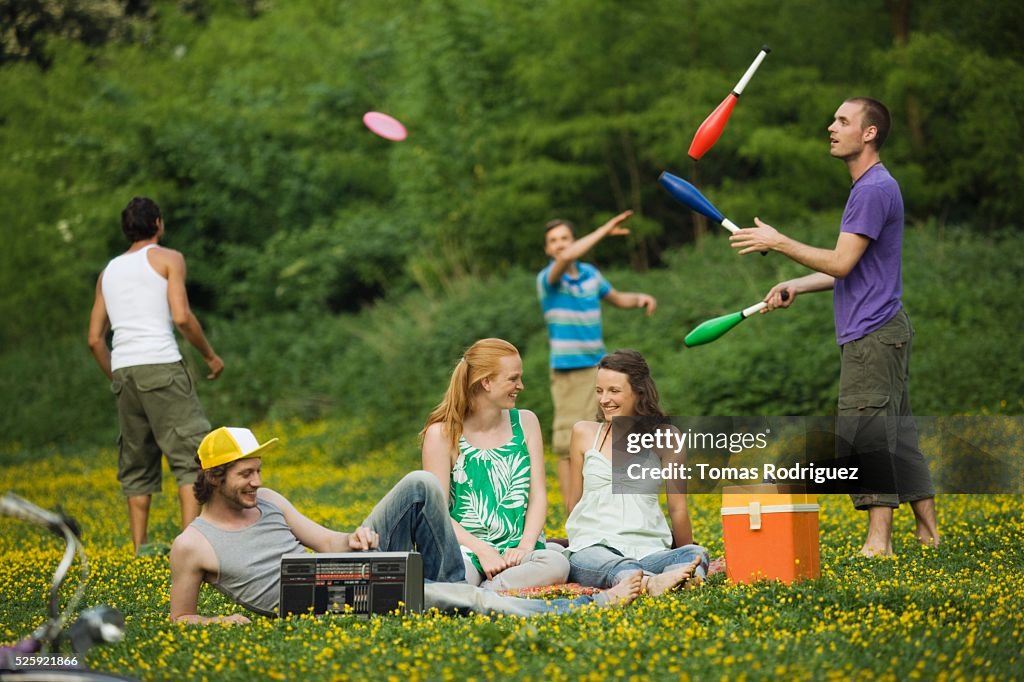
570, 295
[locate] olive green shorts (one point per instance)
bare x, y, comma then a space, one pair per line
573, 397
875, 416
159, 413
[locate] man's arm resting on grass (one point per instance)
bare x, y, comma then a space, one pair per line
190, 560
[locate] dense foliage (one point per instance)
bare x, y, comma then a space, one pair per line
243, 120
389, 364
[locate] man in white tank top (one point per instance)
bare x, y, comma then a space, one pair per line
141, 297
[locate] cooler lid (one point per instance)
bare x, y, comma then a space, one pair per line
767, 494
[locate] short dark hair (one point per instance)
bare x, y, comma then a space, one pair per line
207, 478
552, 224
875, 114
138, 219
632, 364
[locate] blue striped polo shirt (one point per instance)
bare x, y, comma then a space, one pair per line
572, 311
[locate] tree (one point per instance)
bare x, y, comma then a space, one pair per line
29, 24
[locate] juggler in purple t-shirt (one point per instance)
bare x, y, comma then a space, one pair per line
869, 296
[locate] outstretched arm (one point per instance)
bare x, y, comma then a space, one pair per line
320, 538
837, 262
575, 251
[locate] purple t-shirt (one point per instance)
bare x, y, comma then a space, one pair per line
869, 296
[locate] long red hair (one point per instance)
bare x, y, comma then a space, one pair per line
479, 362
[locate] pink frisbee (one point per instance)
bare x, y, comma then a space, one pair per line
384, 125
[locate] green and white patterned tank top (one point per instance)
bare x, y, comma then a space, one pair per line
490, 489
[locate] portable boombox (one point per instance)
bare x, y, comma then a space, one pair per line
353, 582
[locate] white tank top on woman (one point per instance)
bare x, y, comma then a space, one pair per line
631, 523
136, 298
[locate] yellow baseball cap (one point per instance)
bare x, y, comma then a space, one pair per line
228, 443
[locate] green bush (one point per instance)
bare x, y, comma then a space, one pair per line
390, 363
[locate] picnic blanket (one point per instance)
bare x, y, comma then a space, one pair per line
569, 590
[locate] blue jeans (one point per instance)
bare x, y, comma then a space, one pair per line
602, 566
414, 515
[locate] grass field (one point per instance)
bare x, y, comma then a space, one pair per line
956, 612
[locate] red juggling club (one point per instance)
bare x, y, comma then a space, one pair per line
714, 124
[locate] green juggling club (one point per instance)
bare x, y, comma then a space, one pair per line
712, 329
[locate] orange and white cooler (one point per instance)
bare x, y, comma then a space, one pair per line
770, 533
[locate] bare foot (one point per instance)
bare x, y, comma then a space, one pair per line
628, 589
927, 530
870, 550
658, 585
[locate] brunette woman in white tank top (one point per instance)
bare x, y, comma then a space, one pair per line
611, 536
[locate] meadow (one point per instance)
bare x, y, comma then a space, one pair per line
951, 613
340, 276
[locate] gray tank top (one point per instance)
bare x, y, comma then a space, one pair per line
250, 559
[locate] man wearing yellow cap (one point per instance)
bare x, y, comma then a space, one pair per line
244, 529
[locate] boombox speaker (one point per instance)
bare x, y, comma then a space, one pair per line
360, 583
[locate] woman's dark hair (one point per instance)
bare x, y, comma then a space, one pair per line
204, 486
633, 365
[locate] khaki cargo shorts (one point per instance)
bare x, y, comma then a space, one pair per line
875, 415
572, 393
159, 413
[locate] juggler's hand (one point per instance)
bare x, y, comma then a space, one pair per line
764, 237
780, 296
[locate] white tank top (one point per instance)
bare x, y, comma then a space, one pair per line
630, 522
136, 298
